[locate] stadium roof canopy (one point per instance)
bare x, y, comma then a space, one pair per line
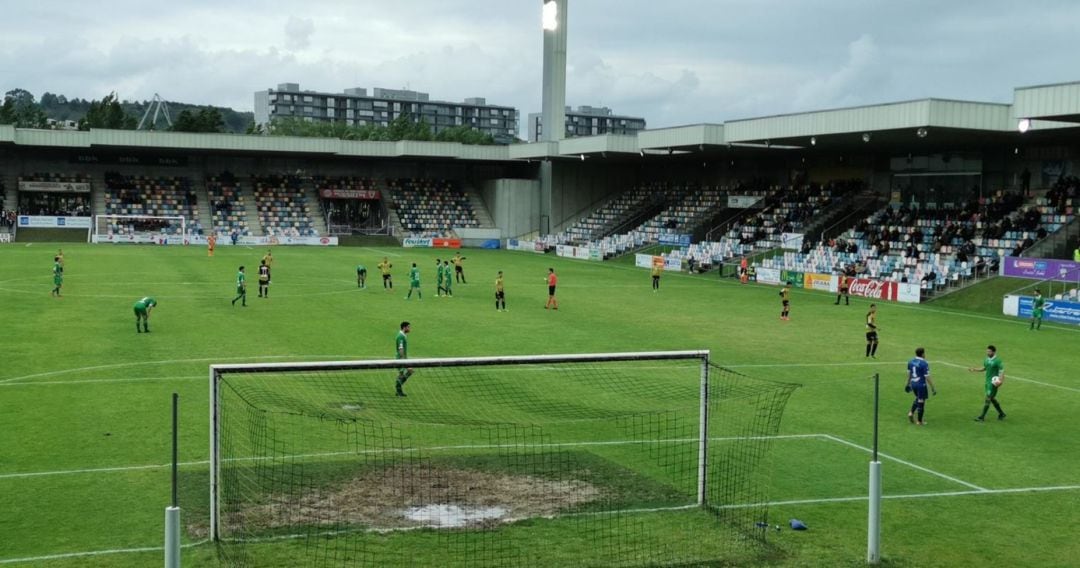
908, 126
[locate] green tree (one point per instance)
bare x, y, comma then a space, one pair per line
206, 119
21, 110
107, 113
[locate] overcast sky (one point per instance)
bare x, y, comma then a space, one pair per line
673, 62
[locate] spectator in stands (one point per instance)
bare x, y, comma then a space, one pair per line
1025, 182
930, 277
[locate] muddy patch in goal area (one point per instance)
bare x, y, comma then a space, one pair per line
403, 498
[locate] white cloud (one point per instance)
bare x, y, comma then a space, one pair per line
298, 32
861, 75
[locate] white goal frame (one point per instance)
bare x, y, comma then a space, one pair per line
98, 236
217, 371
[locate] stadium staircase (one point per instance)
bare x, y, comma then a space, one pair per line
836, 220
252, 208
318, 216
97, 193
483, 216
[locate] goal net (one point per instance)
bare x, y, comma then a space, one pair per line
630, 459
156, 229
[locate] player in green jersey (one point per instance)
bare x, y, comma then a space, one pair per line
361, 276
1037, 310
142, 313
995, 369
401, 351
438, 278
414, 282
58, 276
241, 288
448, 283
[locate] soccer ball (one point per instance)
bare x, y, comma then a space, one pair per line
996, 381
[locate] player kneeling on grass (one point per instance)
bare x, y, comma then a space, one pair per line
995, 376
402, 352
142, 313
918, 379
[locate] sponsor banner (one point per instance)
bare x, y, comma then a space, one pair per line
446, 243
768, 275
129, 160
908, 293
490, 244
1054, 310
416, 243
822, 282
54, 186
794, 276
644, 260
580, 253
792, 241
675, 240
365, 194
742, 201
158, 239
872, 289
671, 264
43, 221
527, 246
1041, 269
5, 237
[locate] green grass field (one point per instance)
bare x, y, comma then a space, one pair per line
84, 400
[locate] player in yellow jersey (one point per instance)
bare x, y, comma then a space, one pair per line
268, 259
500, 293
871, 332
384, 267
657, 272
785, 301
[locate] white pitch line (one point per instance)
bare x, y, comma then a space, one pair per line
94, 553
1014, 490
907, 463
404, 450
97, 381
167, 362
1011, 376
382, 252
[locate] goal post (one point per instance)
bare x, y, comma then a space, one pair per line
625, 457
156, 229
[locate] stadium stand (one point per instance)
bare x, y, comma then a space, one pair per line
935, 246
227, 207
283, 207
344, 215
7, 218
785, 210
142, 195
431, 208
597, 224
53, 203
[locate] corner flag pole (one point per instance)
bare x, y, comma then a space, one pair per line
873, 533
172, 513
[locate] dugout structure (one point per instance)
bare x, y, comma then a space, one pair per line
619, 459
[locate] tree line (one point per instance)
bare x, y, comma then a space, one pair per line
404, 127
21, 109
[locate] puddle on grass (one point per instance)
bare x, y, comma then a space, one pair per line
453, 516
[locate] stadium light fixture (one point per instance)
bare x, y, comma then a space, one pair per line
551, 16
813, 140
921, 133
1024, 125
866, 137
583, 157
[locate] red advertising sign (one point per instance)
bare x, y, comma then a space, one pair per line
446, 243
367, 194
873, 289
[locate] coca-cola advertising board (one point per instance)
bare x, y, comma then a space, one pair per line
873, 289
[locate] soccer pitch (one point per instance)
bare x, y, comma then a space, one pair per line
84, 400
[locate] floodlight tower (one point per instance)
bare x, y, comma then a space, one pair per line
554, 96
553, 111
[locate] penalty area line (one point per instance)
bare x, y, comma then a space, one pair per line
907, 463
85, 554
1019, 378
598, 443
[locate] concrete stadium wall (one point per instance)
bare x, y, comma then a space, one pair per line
514, 205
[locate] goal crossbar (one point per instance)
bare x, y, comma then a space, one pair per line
217, 371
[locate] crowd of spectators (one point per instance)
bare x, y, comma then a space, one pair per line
56, 204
